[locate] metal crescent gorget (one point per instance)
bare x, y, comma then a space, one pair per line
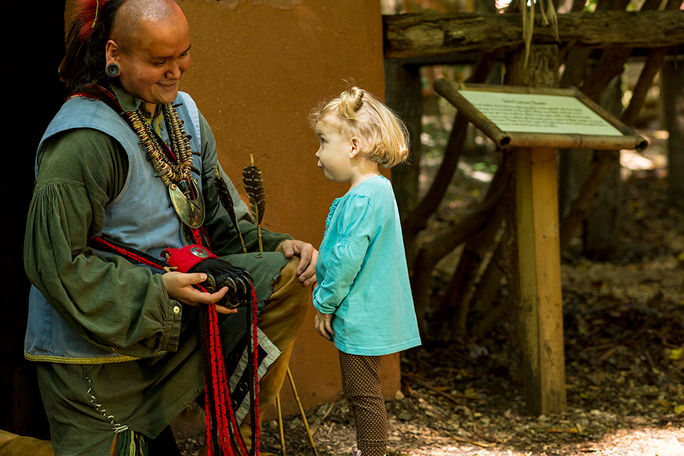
188, 202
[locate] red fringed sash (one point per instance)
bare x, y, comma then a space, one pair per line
222, 429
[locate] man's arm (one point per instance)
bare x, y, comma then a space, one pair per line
224, 235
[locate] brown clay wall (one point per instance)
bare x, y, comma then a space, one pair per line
258, 68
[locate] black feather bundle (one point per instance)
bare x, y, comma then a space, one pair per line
227, 203
253, 181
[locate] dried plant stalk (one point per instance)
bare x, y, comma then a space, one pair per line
549, 17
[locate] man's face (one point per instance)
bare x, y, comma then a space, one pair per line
154, 62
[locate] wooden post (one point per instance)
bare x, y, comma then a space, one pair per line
538, 317
540, 308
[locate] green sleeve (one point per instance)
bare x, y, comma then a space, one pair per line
224, 237
111, 302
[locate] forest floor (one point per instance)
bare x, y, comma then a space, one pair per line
624, 341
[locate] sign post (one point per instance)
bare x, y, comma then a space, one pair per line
536, 122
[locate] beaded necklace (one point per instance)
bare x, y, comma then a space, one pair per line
171, 167
173, 164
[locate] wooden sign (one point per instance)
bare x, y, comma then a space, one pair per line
540, 117
534, 123
539, 113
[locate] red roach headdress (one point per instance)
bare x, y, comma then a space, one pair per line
88, 15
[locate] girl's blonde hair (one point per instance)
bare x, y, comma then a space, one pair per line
382, 136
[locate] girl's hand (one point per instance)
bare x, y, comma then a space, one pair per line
322, 324
180, 286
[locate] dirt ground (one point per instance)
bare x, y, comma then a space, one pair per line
624, 333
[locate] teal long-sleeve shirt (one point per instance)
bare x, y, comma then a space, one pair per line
362, 274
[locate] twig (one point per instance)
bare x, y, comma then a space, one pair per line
301, 410
473, 442
449, 396
280, 425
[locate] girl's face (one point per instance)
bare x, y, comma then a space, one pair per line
335, 152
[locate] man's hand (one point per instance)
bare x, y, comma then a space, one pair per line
308, 256
322, 323
181, 287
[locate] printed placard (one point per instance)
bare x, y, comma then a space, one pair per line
539, 113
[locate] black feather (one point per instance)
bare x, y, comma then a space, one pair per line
253, 181
227, 203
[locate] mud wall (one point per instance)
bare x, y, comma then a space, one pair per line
258, 68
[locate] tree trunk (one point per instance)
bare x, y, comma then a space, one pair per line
601, 226
673, 113
605, 160
466, 279
440, 245
403, 93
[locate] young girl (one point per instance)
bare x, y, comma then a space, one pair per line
363, 297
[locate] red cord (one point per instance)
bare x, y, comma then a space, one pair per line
255, 354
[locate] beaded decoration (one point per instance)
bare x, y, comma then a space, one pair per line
176, 166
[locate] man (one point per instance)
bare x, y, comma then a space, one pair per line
130, 160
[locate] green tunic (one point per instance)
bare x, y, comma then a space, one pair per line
80, 172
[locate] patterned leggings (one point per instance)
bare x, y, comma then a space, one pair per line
363, 389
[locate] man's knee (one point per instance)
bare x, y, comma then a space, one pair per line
18, 445
289, 289
286, 308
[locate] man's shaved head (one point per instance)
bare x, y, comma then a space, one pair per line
133, 13
150, 43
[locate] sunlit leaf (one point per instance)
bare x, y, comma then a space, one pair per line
676, 353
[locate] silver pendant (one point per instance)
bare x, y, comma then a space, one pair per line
190, 210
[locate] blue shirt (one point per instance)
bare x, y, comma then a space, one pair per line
362, 273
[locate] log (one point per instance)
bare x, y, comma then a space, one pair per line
466, 278
425, 36
441, 245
